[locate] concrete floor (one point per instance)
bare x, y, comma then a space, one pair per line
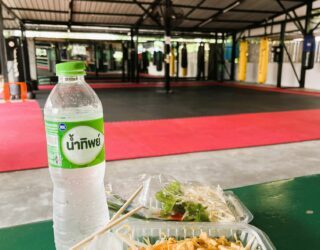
25, 196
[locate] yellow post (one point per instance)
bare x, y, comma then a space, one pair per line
184, 71
172, 62
243, 59
263, 60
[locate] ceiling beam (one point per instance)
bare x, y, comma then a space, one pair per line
234, 10
221, 20
112, 25
146, 11
217, 14
296, 22
194, 8
264, 23
188, 6
9, 10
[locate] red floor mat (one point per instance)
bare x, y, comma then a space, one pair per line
22, 144
176, 136
23, 138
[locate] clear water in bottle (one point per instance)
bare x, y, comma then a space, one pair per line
75, 143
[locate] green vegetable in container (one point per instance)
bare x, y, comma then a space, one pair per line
174, 207
193, 203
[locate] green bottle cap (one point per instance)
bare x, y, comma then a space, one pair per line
75, 68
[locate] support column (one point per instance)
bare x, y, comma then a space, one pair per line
167, 40
281, 47
306, 32
95, 57
23, 54
3, 51
132, 58
233, 57
222, 59
123, 62
136, 57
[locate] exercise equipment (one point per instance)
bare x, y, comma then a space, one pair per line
184, 60
216, 62
309, 46
200, 62
172, 62
145, 62
158, 60
276, 51
263, 60
243, 59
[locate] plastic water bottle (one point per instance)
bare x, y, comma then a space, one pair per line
76, 155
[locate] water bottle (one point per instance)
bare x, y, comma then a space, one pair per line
76, 155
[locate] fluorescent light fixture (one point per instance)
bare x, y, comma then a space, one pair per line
206, 22
153, 31
46, 25
298, 39
75, 35
231, 7
100, 28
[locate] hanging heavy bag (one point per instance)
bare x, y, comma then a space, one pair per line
243, 59
200, 73
145, 61
309, 45
263, 60
159, 60
212, 65
172, 62
184, 60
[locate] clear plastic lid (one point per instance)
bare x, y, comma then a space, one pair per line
224, 206
137, 233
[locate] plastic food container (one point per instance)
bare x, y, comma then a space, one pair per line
152, 230
155, 183
239, 210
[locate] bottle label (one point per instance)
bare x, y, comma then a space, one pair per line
75, 144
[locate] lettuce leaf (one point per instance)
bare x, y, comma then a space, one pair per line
169, 196
195, 212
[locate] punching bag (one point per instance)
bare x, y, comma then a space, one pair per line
172, 62
200, 62
243, 59
213, 67
184, 60
159, 60
309, 45
263, 60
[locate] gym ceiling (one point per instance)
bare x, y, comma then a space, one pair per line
190, 16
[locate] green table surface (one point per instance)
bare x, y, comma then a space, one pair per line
287, 211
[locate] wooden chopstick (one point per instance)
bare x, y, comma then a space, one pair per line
127, 203
114, 221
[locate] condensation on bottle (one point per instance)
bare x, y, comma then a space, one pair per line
75, 143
